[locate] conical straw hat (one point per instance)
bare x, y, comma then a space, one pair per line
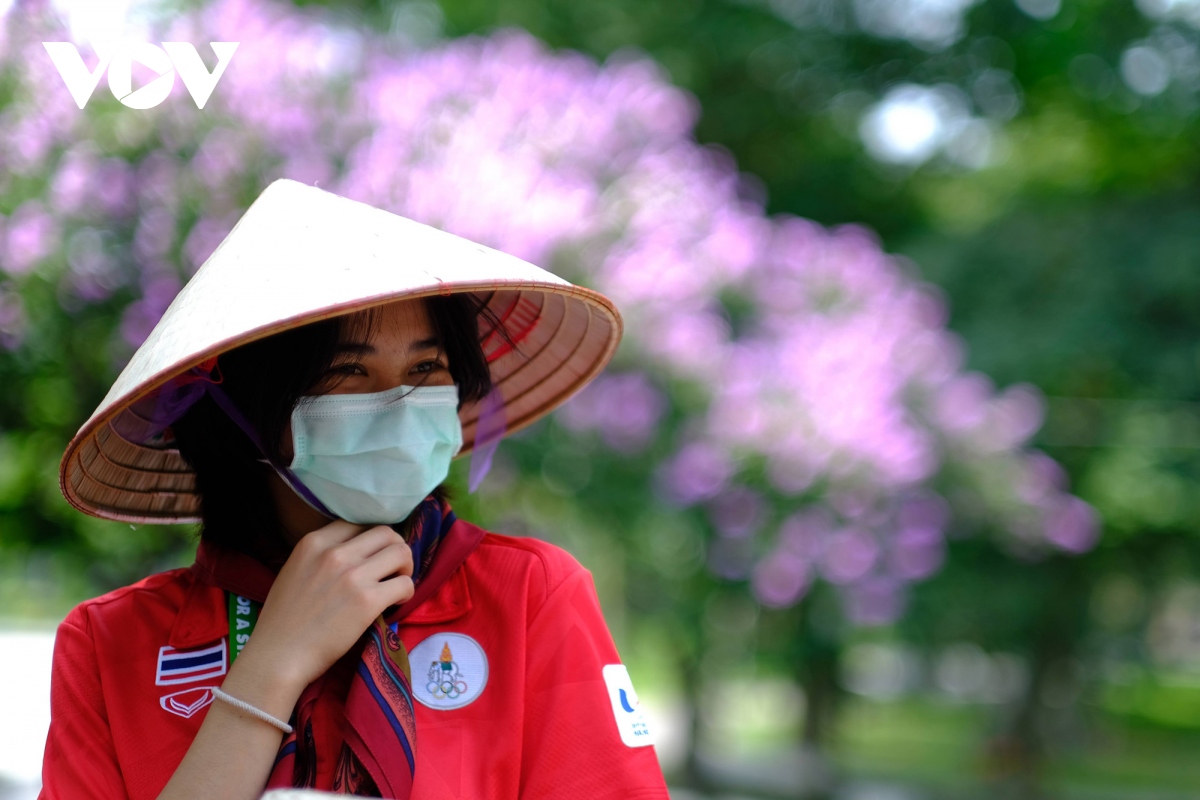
300, 254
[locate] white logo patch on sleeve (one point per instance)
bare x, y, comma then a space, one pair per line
631, 721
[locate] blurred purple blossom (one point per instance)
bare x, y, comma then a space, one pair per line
923, 510
155, 234
624, 408
1041, 479
1073, 525
1013, 416
142, 315
72, 183
961, 405
738, 512
699, 471
848, 555
875, 601
916, 553
30, 237
12, 320
219, 157
93, 274
805, 533
780, 580
112, 187
28, 142
203, 239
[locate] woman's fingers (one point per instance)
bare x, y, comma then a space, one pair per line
337, 579
331, 535
396, 590
394, 559
370, 542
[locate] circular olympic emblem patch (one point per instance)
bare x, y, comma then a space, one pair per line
449, 670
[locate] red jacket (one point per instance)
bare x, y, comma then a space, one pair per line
513, 668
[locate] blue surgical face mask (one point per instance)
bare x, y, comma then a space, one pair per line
372, 458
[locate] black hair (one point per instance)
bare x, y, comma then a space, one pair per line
265, 379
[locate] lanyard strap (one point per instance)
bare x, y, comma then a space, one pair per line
243, 616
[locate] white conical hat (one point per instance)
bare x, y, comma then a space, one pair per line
300, 254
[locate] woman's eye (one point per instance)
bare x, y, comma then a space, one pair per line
348, 369
427, 366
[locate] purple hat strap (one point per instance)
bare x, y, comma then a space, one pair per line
489, 430
176, 396
231, 410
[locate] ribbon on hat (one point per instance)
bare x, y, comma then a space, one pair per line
150, 419
517, 321
489, 430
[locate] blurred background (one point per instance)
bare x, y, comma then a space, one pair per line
892, 491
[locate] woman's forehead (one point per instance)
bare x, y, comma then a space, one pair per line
407, 319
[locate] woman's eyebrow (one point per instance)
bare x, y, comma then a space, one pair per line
358, 348
364, 349
423, 344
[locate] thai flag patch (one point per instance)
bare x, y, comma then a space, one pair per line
185, 666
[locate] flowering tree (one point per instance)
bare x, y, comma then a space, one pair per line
833, 398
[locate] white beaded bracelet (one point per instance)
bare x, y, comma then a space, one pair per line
251, 710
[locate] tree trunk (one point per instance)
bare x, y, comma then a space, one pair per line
693, 775
816, 670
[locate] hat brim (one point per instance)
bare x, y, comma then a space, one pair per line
576, 333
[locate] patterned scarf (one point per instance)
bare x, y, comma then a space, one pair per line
377, 755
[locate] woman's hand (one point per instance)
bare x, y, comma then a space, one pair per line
336, 581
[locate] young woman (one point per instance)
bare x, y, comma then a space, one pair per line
341, 629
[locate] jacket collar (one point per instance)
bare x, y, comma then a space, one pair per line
441, 595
